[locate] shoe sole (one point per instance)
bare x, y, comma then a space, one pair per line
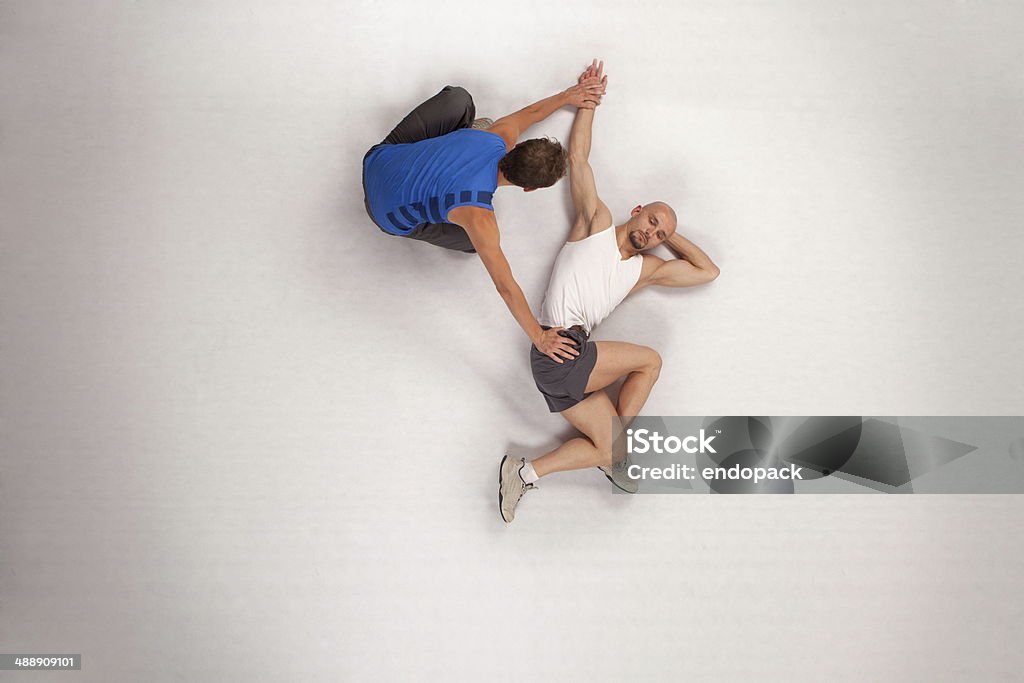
501, 498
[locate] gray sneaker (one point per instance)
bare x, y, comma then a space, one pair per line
511, 486
483, 123
618, 476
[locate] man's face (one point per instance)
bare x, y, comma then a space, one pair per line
650, 225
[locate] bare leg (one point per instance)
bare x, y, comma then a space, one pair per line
641, 366
593, 417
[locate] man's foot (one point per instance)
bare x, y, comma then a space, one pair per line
618, 476
511, 486
483, 123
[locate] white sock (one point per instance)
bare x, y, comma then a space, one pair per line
528, 474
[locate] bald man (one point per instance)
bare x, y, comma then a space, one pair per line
599, 266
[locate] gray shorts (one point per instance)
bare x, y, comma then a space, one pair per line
563, 384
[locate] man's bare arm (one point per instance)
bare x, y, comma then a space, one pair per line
586, 93
482, 228
591, 212
690, 267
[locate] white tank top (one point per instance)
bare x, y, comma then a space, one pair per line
588, 281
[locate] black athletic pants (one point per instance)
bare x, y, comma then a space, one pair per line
448, 110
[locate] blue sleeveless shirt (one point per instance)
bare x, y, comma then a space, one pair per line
422, 181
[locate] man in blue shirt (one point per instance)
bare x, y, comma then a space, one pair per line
434, 176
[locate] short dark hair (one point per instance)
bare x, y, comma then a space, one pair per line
535, 163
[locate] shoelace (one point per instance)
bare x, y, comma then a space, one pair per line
526, 487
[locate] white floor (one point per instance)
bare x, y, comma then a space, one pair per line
247, 437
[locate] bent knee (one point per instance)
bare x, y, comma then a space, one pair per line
458, 95
652, 361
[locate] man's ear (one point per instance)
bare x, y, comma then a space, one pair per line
636, 210
529, 189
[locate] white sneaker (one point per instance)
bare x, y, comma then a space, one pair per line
483, 122
511, 486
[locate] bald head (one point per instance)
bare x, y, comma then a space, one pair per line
666, 210
650, 224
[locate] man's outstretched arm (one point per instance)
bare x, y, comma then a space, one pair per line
482, 228
690, 267
586, 94
591, 212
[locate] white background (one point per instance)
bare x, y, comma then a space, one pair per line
248, 437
